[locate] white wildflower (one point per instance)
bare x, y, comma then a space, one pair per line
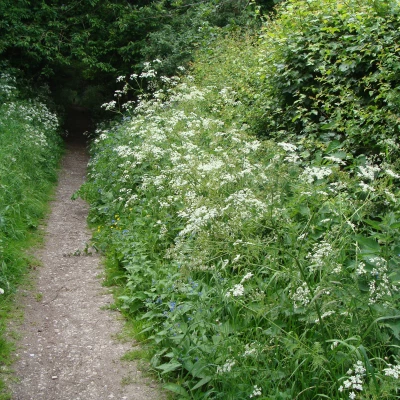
226, 367
256, 391
393, 371
368, 171
392, 174
355, 380
361, 269
321, 251
287, 146
315, 173
249, 350
109, 106
246, 277
301, 295
337, 269
366, 188
292, 158
236, 291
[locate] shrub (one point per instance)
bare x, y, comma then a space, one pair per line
330, 73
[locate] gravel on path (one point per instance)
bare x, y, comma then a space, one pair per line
67, 350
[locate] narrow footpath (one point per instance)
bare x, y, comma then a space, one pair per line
67, 348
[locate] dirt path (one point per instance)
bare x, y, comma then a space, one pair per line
66, 351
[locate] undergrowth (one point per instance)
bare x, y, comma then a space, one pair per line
30, 147
257, 268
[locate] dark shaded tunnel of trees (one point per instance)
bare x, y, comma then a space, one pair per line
78, 48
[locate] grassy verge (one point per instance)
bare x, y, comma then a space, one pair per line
30, 148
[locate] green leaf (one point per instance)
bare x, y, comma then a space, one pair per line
367, 244
202, 382
394, 327
172, 387
376, 225
169, 367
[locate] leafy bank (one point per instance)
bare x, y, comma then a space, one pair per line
250, 208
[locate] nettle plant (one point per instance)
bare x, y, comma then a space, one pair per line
256, 273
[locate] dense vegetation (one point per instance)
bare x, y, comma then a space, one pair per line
263, 267
248, 204
30, 147
80, 46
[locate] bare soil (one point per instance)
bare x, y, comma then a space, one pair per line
67, 348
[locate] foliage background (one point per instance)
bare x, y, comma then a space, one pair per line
263, 268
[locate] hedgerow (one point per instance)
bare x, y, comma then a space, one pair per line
257, 268
330, 73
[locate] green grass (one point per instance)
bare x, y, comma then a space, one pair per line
30, 149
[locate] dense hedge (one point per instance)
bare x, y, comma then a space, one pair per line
331, 73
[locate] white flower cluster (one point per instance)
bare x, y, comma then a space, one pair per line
287, 146
392, 174
256, 392
368, 172
302, 296
393, 371
236, 291
250, 350
380, 285
7, 86
366, 188
226, 367
310, 174
110, 106
246, 277
355, 381
39, 121
321, 251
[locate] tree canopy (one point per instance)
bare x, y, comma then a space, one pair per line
89, 42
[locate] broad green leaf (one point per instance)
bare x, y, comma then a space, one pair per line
172, 387
169, 367
367, 244
202, 382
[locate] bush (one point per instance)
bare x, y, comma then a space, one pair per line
330, 72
